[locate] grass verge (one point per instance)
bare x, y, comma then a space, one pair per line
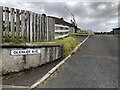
69, 44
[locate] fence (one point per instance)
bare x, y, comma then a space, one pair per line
61, 31
25, 25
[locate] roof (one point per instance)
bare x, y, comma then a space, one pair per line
116, 28
61, 21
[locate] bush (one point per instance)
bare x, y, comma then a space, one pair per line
69, 44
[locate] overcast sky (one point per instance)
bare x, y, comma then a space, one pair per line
96, 16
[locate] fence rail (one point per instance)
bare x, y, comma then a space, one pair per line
61, 30
61, 36
25, 25
65, 33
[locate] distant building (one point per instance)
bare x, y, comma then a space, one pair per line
116, 30
61, 24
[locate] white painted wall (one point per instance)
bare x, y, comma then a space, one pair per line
17, 63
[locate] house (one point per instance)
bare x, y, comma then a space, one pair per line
116, 30
61, 24
63, 28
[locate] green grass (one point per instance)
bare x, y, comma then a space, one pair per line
13, 41
57, 34
44, 42
73, 34
83, 32
69, 44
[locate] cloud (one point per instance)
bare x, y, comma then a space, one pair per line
88, 15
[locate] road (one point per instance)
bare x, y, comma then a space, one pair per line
30, 77
95, 65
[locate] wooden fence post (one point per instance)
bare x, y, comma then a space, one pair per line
12, 23
28, 26
31, 26
35, 27
51, 33
47, 28
1, 23
23, 26
6, 22
18, 31
42, 28
38, 27
53, 29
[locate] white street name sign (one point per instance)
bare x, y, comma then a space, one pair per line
25, 52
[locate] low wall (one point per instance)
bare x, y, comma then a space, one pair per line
11, 63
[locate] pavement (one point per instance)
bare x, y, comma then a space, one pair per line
94, 65
28, 78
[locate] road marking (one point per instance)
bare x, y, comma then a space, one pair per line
40, 81
12, 86
57, 66
85, 39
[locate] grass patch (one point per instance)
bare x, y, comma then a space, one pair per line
83, 32
73, 34
44, 42
13, 41
69, 44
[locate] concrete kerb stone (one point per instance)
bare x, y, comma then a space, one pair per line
17, 87
57, 66
40, 81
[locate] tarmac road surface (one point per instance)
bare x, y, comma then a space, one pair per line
95, 65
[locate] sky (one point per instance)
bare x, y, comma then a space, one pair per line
89, 15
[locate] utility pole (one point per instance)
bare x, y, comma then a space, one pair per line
75, 24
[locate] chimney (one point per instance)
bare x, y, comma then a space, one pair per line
61, 18
43, 14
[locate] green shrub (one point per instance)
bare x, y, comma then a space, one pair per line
69, 44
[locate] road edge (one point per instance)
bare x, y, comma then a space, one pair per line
47, 75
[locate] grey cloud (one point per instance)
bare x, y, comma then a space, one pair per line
91, 11
51, 8
108, 12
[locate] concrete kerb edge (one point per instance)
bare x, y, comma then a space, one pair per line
10, 86
47, 75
